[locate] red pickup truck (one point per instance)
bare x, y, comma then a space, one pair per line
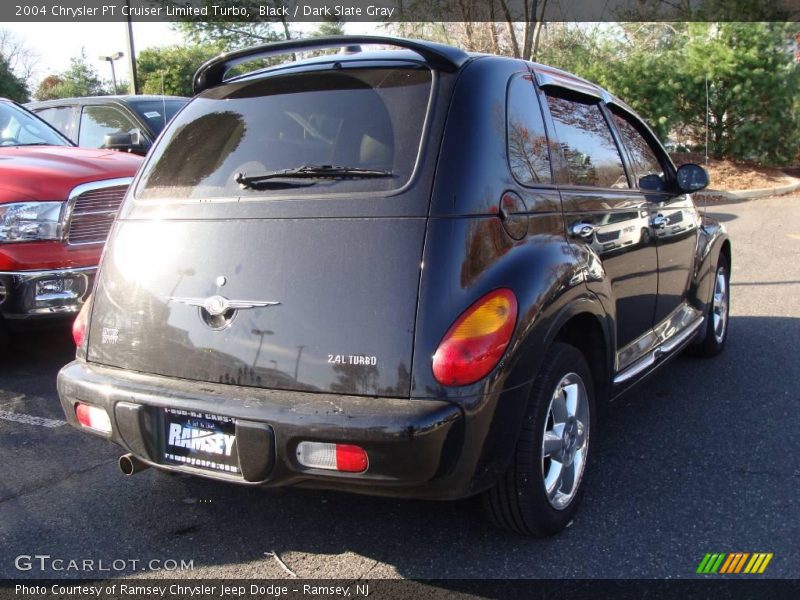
57, 205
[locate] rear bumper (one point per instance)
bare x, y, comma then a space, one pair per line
42, 294
415, 447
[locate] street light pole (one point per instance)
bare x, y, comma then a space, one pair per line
131, 52
111, 59
297, 362
262, 333
113, 76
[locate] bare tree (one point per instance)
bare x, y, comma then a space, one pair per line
511, 27
524, 30
21, 59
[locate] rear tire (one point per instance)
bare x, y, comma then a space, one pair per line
718, 316
540, 492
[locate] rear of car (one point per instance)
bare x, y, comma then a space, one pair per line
358, 271
255, 312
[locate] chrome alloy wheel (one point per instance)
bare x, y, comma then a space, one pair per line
565, 443
719, 308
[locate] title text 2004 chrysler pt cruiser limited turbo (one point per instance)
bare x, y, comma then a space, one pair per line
410, 272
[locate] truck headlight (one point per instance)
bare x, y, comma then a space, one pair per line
28, 221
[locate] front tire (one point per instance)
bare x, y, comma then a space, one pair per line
718, 313
540, 492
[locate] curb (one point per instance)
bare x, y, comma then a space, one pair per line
721, 197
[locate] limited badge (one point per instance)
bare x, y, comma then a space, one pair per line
110, 335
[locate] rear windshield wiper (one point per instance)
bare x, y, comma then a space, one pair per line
310, 172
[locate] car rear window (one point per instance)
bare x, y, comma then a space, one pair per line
362, 118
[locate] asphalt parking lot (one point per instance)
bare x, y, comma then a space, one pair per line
702, 458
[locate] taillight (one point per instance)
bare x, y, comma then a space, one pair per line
475, 343
80, 323
93, 417
334, 457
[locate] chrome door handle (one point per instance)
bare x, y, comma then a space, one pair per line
660, 222
583, 230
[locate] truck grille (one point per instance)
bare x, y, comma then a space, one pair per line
608, 236
93, 212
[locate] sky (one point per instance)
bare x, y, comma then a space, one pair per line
56, 43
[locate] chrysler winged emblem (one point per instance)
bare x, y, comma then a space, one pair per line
219, 305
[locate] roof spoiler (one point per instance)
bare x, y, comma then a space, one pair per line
438, 56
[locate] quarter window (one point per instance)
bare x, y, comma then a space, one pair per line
644, 159
99, 121
59, 117
528, 153
592, 156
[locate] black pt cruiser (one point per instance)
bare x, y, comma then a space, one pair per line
411, 272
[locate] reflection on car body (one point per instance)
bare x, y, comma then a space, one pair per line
620, 229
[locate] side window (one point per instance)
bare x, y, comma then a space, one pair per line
528, 153
644, 159
59, 117
592, 156
98, 121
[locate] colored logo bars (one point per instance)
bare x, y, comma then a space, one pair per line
734, 562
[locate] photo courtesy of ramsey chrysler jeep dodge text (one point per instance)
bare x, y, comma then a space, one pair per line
412, 272
57, 203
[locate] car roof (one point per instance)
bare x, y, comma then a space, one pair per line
546, 75
212, 73
436, 55
342, 57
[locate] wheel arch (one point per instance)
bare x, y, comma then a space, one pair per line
580, 322
713, 245
585, 332
725, 250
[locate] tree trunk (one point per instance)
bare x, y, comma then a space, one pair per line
511, 32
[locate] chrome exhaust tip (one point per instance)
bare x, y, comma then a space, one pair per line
130, 465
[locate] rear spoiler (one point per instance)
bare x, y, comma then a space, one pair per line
438, 56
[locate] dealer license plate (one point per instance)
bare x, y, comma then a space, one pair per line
201, 440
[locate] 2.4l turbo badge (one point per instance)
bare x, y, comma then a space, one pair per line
352, 359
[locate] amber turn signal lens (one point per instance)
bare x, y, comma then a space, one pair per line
475, 343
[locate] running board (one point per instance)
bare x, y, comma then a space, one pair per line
649, 360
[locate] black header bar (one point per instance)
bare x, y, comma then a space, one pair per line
397, 10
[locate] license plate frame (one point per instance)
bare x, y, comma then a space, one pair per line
200, 440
